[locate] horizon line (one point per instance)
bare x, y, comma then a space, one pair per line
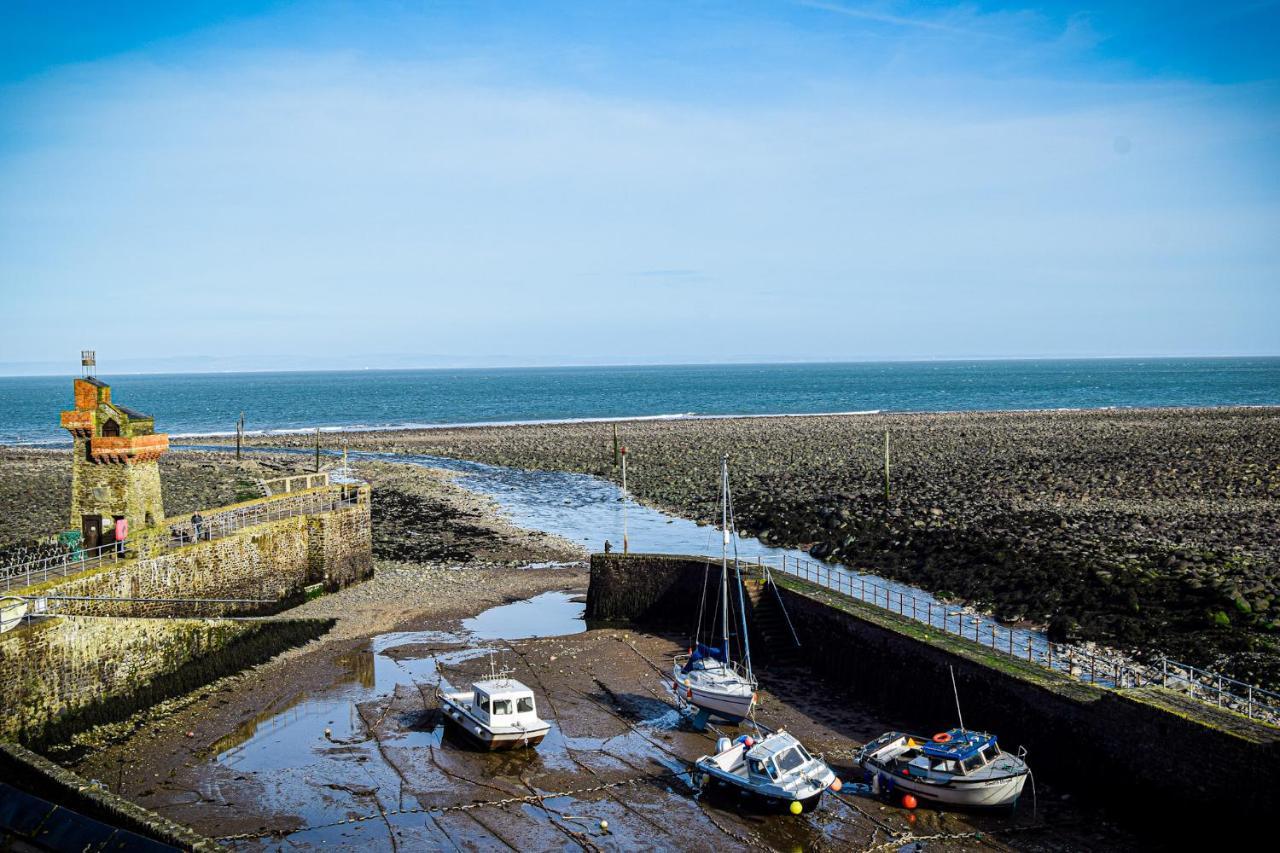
642, 364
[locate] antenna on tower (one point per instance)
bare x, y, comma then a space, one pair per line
88, 361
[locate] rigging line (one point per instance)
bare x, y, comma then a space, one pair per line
742, 604
706, 573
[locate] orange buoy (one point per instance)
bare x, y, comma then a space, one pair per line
688, 694
836, 785
942, 737
909, 801
748, 741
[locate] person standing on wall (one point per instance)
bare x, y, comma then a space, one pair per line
122, 531
197, 521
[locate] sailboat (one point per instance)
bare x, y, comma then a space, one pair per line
708, 677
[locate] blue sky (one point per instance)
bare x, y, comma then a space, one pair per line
409, 184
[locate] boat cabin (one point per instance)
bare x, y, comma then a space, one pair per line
963, 754
776, 758
503, 702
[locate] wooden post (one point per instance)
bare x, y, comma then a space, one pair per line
886, 467
625, 546
239, 435
317, 450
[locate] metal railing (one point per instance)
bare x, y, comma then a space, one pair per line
215, 526
59, 565
1104, 668
226, 522
294, 483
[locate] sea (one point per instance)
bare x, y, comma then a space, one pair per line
204, 404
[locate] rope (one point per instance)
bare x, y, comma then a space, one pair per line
434, 810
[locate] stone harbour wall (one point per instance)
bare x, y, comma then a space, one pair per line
38, 776
273, 560
59, 676
1140, 752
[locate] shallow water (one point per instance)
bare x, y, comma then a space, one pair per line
552, 614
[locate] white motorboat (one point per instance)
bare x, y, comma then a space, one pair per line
776, 772
12, 610
497, 713
707, 677
954, 768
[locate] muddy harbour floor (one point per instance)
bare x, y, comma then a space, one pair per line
338, 744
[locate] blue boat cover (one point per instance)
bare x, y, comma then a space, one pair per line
703, 652
962, 745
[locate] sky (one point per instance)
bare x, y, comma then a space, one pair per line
255, 185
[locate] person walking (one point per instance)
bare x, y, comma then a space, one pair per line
608, 546
122, 532
197, 521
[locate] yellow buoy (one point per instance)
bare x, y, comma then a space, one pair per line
796, 808
604, 824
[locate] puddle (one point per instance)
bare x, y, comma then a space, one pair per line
552, 614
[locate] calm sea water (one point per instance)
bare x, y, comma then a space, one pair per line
201, 404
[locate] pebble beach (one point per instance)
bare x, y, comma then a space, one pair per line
1153, 531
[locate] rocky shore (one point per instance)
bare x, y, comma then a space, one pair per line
1155, 531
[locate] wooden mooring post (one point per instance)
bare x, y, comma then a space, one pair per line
886, 467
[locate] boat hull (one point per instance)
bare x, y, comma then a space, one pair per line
12, 610
478, 735
725, 789
733, 709
997, 793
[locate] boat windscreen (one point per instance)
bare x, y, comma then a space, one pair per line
789, 760
524, 705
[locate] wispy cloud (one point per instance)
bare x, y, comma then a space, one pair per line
398, 199
942, 23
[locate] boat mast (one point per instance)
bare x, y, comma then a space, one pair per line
724, 553
737, 576
956, 692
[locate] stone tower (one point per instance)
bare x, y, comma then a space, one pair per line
114, 468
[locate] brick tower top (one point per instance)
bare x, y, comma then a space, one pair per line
114, 433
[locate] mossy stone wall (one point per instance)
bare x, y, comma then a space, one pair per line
62, 675
274, 561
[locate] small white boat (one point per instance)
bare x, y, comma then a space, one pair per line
707, 678
954, 768
776, 772
714, 685
497, 713
11, 612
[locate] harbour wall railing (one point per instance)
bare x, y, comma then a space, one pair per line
1104, 668
171, 534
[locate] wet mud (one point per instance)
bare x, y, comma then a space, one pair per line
364, 760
